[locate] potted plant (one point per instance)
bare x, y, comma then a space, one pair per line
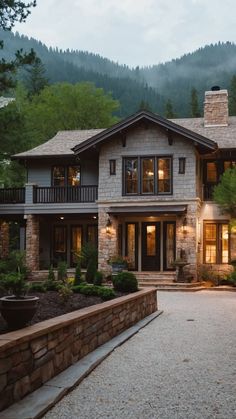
118, 263
17, 308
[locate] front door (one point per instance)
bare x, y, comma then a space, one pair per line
151, 246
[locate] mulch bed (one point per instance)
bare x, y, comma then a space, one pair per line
51, 305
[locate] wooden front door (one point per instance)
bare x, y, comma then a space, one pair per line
151, 246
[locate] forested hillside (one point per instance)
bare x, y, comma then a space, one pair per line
153, 86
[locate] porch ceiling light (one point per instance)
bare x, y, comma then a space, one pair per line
108, 226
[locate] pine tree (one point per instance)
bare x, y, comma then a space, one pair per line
169, 113
232, 96
195, 112
36, 79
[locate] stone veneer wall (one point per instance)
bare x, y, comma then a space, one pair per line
4, 239
32, 356
32, 242
107, 243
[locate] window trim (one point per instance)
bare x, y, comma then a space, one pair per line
139, 177
112, 164
182, 165
218, 224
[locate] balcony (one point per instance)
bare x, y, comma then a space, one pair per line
208, 190
12, 195
67, 194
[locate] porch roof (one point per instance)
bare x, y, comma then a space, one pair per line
149, 209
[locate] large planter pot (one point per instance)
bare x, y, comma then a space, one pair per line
118, 267
18, 311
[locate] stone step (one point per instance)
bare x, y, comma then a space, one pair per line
174, 286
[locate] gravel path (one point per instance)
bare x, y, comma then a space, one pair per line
181, 366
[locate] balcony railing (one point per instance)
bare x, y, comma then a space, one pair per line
208, 191
58, 194
12, 195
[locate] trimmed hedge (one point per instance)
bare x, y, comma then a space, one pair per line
95, 290
125, 282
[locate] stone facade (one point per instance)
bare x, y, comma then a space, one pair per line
216, 111
107, 241
32, 242
4, 239
32, 356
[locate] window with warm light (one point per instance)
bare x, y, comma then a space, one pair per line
147, 175
216, 242
66, 175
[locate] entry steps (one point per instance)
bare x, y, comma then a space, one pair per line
165, 281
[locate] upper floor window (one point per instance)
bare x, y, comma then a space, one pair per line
147, 175
66, 175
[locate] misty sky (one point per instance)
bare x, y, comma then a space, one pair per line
133, 32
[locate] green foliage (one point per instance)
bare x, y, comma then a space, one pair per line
232, 96
36, 79
62, 271
94, 290
51, 275
169, 112
78, 274
65, 293
88, 256
195, 112
225, 192
98, 278
125, 282
15, 283
37, 287
232, 278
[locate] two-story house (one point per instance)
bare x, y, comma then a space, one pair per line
141, 189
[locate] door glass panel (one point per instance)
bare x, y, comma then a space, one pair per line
93, 235
211, 172
170, 245
59, 244
147, 175
131, 241
131, 176
76, 242
58, 176
151, 240
225, 243
210, 243
74, 175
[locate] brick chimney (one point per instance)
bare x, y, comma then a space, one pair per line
216, 112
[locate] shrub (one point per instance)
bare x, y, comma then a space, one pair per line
125, 282
65, 292
98, 278
62, 271
51, 275
94, 290
77, 279
38, 287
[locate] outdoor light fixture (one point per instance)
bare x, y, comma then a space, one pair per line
108, 226
184, 226
62, 218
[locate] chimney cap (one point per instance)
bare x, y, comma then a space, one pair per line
215, 88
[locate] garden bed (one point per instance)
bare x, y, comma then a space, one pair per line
51, 305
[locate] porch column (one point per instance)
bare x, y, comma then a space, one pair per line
187, 240
107, 241
32, 242
4, 239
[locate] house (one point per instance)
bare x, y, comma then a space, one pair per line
141, 189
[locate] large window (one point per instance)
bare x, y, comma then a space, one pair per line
147, 175
66, 176
216, 242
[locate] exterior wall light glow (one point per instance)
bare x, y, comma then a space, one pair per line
108, 226
184, 226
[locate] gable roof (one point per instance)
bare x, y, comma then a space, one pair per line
59, 146
203, 143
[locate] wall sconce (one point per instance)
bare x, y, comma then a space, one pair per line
184, 226
108, 226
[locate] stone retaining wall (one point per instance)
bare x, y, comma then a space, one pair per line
31, 356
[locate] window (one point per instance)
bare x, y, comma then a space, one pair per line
147, 175
211, 172
66, 176
131, 176
182, 161
216, 242
112, 167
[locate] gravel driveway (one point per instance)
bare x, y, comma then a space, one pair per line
181, 366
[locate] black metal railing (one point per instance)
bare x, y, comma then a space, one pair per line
208, 190
59, 194
12, 195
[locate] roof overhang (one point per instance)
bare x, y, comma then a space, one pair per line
203, 144
148, 210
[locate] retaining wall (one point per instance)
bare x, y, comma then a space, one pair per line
31, 356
